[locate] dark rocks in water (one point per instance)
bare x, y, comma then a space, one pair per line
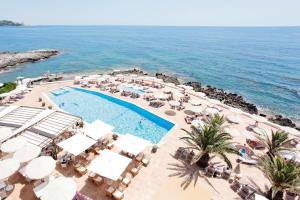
129, 71
230, 99
283, 121
167, 78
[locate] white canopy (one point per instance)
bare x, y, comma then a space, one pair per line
77, 144
97, 129
210, 111
195, 102
61, 188
8, 167
27, 153
13, 145
131, 144
199, 94
5, 133
174, 103
196, 109
109, 164
166, 90
198, 123
160, 95
234, 119
40, 167
178, 95
232, 131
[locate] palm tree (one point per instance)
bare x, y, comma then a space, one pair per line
216, 121
210, 139
275, 143
282, 174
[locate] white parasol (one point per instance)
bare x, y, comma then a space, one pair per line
8, 167
27, 153
13, 145
61, 188
40, 167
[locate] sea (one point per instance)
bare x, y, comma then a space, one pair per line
260, 63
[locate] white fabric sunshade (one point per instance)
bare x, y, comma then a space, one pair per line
109, 164
131, 144
97, 129
198, 123
195, 102
210, 111
40, 167
174, 103
196, 109
13, 145
8, 167
61, 188
5, 133
27, 153
77, 144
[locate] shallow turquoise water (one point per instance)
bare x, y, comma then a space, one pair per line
262, 64
125, 117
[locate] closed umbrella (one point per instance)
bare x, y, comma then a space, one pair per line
13, 145
27, 153
61, 188
8, 167
40, 167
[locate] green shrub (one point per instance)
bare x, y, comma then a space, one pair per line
7, 87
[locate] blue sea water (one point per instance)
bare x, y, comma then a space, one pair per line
125, 117
262, 64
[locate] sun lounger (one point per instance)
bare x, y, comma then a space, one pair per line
235, 186
290, 196
118, 195
109, 191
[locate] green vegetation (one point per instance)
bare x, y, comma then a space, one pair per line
10, 23
284, 175
210, 139
7, 87
276, 142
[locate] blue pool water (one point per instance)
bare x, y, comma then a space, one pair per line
133, 89
260, 63
125, 117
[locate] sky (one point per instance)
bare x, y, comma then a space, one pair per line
153, 12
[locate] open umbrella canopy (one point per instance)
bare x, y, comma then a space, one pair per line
109, 164
196, 109
27, 153
210, 111
232, 131
131, 144
5, 133
8, 167
198, 123
97, 130
40, 167
61, 188
174, 103
195, 102
13, 145
160, 95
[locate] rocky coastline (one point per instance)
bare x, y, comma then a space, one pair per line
230, 99
11, 59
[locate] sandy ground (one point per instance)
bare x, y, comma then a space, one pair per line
165, 177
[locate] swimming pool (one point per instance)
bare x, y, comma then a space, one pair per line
133, 89
124, 116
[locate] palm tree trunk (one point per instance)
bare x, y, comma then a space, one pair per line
203, 161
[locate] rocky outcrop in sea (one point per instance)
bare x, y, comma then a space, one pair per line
10, 59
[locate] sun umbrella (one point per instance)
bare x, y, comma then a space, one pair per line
166, 90
61, 188
8, 167
195, 102
5, 133
210, 111
171, 84
160, 95
174, 103
178, 95
40, 167
27, 153
232, 131
196, 109
237, 169
13, 145
198, 123
200, 94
